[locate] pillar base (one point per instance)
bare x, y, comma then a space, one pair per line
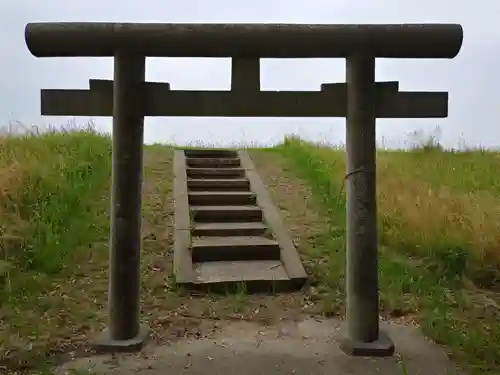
383, 347
103, 343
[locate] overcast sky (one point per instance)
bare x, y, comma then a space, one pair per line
472, 78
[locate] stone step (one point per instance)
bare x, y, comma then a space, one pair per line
215, 172
210, 153
219, 184
213, 249
229, 229
213, 162
249, 276
227, 198
213, 214
221, 242
236, 271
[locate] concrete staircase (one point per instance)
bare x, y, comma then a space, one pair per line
228, 233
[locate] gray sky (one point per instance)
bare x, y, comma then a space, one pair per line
472, 78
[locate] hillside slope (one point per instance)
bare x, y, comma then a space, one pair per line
439, 220
439, 214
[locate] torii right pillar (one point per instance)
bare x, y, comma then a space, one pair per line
362, 335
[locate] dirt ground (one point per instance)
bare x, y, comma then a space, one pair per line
301, 348
174, 313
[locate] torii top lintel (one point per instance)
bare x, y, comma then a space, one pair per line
244, 40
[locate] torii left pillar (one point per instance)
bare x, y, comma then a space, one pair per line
124, 331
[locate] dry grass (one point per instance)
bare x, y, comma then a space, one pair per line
439, 220
441, 205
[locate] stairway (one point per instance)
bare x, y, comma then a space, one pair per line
231, 244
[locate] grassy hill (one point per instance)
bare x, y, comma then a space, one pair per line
439, 221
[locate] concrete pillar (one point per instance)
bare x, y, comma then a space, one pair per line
124, 331
362, 336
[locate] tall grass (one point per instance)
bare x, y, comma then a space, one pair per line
439, 215
49, 183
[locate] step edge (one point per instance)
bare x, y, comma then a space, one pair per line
235, 224
212, 192
197, 242
228, 208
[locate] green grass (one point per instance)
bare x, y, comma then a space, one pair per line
53, 205
54, 179
49, 186
439, 214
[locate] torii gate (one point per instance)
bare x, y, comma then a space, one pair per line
128, 98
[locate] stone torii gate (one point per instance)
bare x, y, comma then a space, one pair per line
128, 98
